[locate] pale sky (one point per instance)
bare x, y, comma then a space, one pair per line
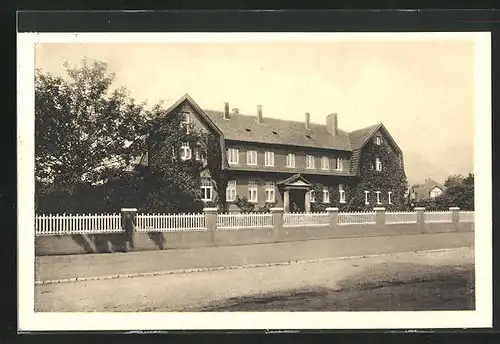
421, 90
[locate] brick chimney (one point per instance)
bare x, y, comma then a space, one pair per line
332, 124
308, 121
259, 114
226, 111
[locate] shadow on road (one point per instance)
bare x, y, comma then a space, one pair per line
412, 288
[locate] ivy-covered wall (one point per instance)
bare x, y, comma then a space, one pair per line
391, 178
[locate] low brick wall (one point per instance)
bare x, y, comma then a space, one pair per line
105, 243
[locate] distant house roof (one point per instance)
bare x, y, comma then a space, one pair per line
423, 190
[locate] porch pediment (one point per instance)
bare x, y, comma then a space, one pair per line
295, 180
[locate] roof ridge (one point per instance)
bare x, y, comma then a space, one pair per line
276, 119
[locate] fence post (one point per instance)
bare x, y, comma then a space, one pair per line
455, 217
333, 214
420, 218
277, 214
379, 215
211, 222
129, 220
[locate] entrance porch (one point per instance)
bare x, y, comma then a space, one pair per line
296, 194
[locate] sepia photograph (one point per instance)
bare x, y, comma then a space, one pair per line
258, 179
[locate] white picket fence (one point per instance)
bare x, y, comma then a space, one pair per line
67, 224
361, 218
401, 217
238, 221
466, 216
437, 216
170, 222
305, 219
73, 224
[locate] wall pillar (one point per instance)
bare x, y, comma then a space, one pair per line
129, 220
211, 222
455, 217
307, 201
379, 215
420, 218
333, 214
277, 214
286, 201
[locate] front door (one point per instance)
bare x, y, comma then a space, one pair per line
297, 201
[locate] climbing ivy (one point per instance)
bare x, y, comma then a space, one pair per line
392, 179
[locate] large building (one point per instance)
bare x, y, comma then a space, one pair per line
281, 163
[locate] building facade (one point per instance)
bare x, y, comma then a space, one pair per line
429, 189
296, 165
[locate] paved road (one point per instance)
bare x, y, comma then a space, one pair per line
90, 265
196, 291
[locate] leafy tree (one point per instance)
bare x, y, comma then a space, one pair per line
85, 131
459, 193
88, 136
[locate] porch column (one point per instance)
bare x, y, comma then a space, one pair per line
307, 201
286, 201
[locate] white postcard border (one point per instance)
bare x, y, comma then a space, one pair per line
28, 320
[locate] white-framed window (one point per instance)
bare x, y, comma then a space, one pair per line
290, 160
341, 194
269, 158
366, 197
231, 191
338, 164
185, 121
435, 192
185, 151
325, 163
378, 140
252, 191
312, 196
197, 152
378, 165
251, 157
378, 197
233, 156
326, 195
206, 189
270, 192
309, 161
389, 197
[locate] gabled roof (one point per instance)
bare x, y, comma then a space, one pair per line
187, 98
296, 179
359, 138
277, 131
427, 186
